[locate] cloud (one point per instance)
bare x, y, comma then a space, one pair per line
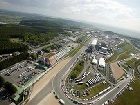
110, 12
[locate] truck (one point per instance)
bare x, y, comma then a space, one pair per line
61, 102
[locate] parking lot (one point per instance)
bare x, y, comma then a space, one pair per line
21, 73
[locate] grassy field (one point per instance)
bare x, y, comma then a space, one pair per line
130, 97
77, 70
123, 52
14, 39
95, 90
74, 51
80, 87
133, 63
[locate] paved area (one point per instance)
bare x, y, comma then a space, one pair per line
49, 100
44, 85
21, 73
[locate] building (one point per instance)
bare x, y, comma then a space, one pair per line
50, 59
62, 52
103, 50
74, 39
94, 41
102, 62
94, 61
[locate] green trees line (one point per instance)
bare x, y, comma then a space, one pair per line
9, 87
11, 61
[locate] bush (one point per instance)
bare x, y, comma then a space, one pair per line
10, 88
2, 81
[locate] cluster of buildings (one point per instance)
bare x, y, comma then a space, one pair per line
97, 51
48, 60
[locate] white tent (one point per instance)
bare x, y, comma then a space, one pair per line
102, 62
94, 61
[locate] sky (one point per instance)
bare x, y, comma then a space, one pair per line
119, 13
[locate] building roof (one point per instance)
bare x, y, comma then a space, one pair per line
94, 61
102, 62
94, 41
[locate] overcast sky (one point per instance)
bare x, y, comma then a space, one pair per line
120, 13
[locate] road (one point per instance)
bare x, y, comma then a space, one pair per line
49, 87
108, 96
54, 85
58, 77
112, 93
44, 92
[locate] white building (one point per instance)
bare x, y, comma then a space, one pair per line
102, 62
62, 52
94, 41
94, 61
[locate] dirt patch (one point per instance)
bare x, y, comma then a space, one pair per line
49, 100
117, 71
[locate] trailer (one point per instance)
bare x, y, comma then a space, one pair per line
61, 101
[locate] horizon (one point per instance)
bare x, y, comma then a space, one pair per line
104, 27
121, 13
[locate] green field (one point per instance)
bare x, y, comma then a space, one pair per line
77, 70
124, 50
133, 63
74, 51
95, 90
131, 97
80, 87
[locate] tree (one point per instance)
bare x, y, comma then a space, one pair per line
10, 88
33, 56
73, 76
15, 59
2, 81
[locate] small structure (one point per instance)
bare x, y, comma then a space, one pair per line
130, 89
61, 101
94, 61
